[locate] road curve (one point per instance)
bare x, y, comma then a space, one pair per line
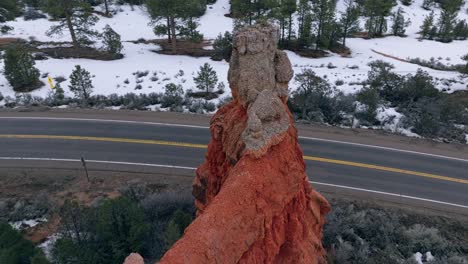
443, 179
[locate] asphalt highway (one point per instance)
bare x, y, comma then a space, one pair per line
432, 177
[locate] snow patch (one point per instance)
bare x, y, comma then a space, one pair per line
25, 224
47, 245
418, 257
429, 256
392, 121
423, 258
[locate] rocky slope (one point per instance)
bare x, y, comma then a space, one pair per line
254, 201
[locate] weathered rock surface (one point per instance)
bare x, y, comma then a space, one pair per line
134, 258
255, 204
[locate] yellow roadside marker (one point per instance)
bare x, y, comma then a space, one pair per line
51, 82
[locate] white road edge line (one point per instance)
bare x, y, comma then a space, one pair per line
205, 127
192, 168
105, 120
389, 194
100, 161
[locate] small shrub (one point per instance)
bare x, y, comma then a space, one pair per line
176, 226
221, 88
339, 82
173, 95
141, 74
5, 29
20, 70
60, 79
209, 106
160, 209
112, 41
331, 66
180, 73
81, 84
33, 14
196, 106
370, 99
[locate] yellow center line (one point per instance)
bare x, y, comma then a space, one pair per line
383, 168
202, 146
108, 139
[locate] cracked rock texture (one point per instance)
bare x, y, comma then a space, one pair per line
254, 201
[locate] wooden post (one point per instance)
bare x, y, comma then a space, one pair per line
85, 168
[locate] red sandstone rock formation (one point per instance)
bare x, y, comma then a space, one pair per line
254, 201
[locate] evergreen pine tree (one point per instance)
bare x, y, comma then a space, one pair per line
324, 17
243, 11
19, 69
9, 9
305, 23
284, 14
81, 84
349, 20
121, 224
206, 78
193, 10
106, 7
111, 40
59, 93
376, 12
448, 19
75, 16
427, 26
167, 14
460, 31
399, 23
223, 46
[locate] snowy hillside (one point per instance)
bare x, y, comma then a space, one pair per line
110, 76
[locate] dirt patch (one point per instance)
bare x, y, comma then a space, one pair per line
61, 50
205, 95
389, 56
5, 42
185, 47
460, 97
315, 54
26, 89
79, 53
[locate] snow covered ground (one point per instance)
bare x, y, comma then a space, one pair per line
110, 76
